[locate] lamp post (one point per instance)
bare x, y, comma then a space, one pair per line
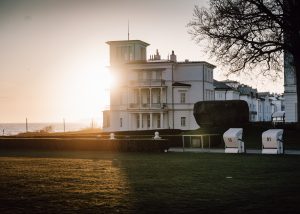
26, 125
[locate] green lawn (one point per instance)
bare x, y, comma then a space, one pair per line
95, 182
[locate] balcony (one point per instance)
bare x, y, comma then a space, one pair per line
147, 106
134, 105
148, 82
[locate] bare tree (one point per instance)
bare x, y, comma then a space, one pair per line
248, 33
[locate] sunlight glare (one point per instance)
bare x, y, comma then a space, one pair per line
86, 88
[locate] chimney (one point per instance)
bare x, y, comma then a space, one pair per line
157, 56
173, 57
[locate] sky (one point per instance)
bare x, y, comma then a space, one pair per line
54, 59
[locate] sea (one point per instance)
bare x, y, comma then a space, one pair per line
8, 129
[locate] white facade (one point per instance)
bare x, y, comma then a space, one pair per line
227, 95
155, 94
265, 109
225, 92
252, 104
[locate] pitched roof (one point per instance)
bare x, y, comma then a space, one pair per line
127, 42
181, 84
263, 94
247, 90
221, 86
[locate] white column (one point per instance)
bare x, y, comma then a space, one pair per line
161, 120
141, 120
150, 120
150, 97
161, 99
140, 95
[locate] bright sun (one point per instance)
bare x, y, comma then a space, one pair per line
87, 95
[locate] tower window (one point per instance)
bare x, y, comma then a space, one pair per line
121, 122
182, 97
183, 121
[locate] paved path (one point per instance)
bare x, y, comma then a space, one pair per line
248, 151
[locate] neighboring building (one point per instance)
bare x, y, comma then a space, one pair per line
249, 94
225, 92
278, 102
261, 104
154, 94
231, 83
266, 106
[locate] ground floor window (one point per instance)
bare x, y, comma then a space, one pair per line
158, 121
183, 121
106, 119
148, 121
138, 121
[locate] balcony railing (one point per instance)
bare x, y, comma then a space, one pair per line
148, 82
134, 105
147, 106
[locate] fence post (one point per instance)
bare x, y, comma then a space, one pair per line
183, 143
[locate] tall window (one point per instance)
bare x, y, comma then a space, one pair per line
148, 121
208, 75
209, 95
106, 121
140, 75
143, 53
158, 97
149, 75
158, 121
220, 96
121, 98
158, 75
136, 96
125, 53
182, 98
138, 121
121, 122
183, 121
148, 96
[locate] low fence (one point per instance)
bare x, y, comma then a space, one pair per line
203, 141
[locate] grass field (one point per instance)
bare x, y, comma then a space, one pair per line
95, 182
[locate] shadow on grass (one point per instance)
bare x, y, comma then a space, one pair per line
215, 183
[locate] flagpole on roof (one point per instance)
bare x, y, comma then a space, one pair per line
128, 28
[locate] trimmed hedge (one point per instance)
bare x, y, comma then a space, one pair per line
121, 145
221, 113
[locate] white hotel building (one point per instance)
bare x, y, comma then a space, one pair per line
154, 94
